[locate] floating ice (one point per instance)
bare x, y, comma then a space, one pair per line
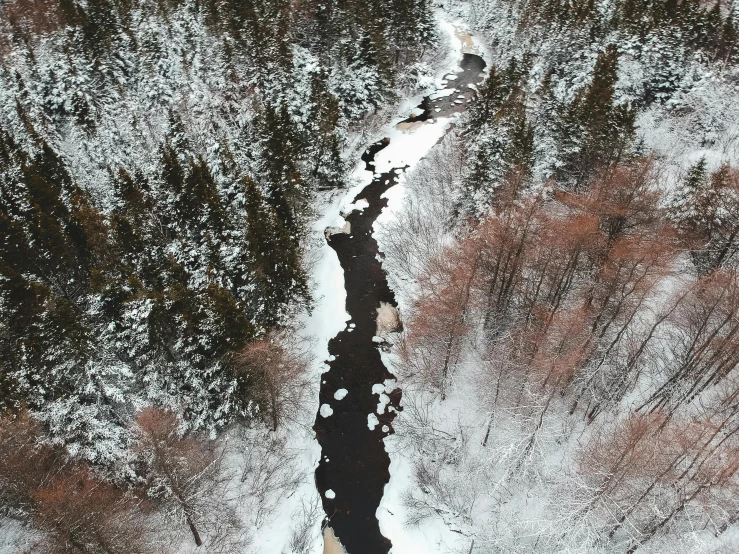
330, 494
384, 401
325, 410
442, 93
357, 206
340, 394
372, 421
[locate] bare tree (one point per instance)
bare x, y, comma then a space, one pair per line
703, 337
79, 513
184, 474
649, 468
274, 369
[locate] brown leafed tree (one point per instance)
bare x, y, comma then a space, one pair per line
79, 513
26, 464
625, 199
559, 258
625, 284
550, 350
650, 468
273, 369
505, 240
184, 473
443, 314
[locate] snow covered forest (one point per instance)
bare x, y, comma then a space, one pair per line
565, 259
159, 170
566, 262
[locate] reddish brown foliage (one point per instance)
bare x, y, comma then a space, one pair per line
80, 513
25, 463
275, 374
32, 17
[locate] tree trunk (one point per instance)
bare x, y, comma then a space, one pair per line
195, 534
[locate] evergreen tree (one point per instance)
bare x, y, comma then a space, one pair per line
325, 146
594, 130
706, 213
281, 154
274, 258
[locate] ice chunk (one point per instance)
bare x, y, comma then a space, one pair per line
372, 421
341, 394
326, 410
384, 401
442, 93
330, 494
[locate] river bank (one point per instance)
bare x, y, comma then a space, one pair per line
358, 399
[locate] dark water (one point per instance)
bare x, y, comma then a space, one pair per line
354, 463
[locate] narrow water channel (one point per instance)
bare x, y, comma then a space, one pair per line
354, 465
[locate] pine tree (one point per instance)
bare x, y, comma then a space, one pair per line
520, 154
281, 154
488, 98
683, 210
595, 132
328, 166
706, 213
274, 258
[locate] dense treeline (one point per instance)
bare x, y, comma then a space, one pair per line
570, 361
158, 164
563, 104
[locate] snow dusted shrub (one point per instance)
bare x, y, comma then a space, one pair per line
185, 477
78, 512
274, 370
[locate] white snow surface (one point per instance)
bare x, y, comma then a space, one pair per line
408, 149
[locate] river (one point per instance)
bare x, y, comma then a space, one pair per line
354, 466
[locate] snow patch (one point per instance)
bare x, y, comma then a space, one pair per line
442, 93
372, 421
